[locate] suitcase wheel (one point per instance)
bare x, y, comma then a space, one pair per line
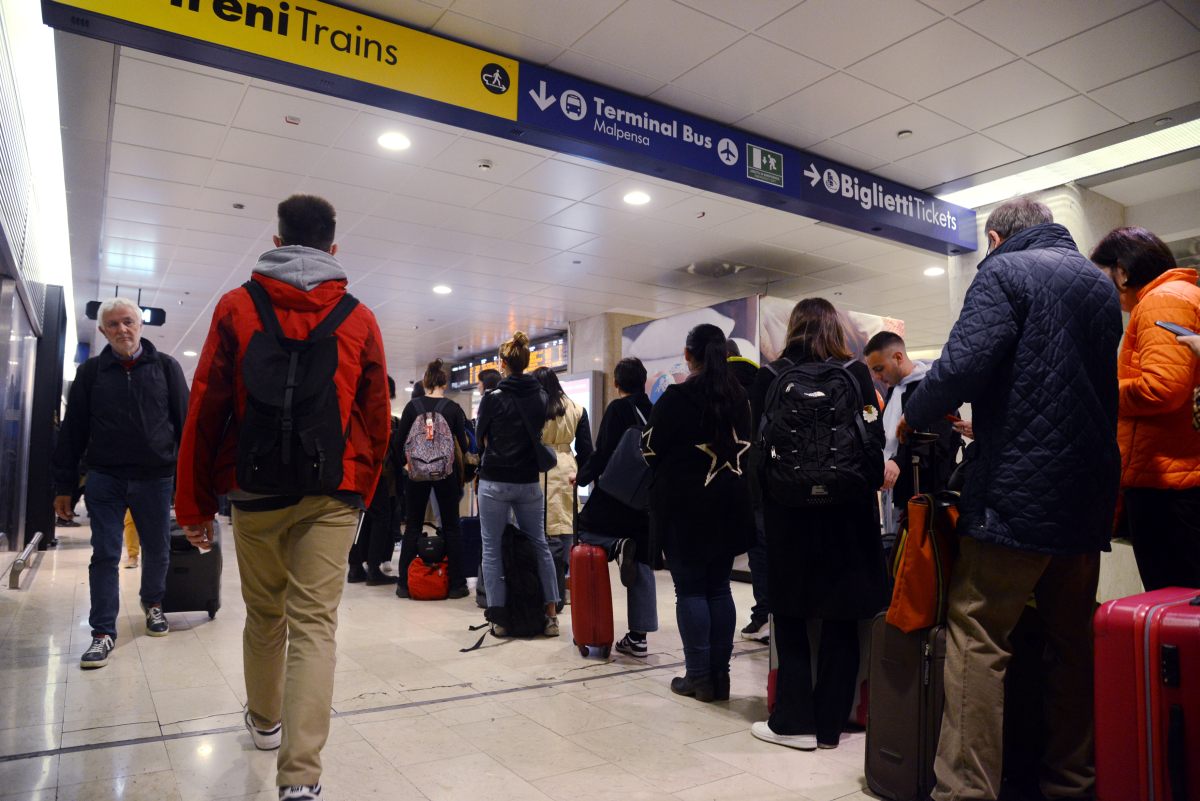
212, 608
605, 651
583, 651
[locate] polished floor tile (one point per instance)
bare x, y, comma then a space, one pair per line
413, 718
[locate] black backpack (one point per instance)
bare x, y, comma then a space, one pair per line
524, 610
812, 434
291, 439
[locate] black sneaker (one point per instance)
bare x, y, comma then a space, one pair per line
63, 522
97, 655
156, 621
377, 578
627, 561
356, 575
757, 630
631, 647
307, 792
401, 589
459, 592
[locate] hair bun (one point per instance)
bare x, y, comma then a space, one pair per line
437, 364
520, 339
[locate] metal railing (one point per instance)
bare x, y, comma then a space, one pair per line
23, 561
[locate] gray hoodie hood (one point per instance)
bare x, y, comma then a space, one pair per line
302, 267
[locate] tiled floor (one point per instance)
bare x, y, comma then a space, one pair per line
413, 718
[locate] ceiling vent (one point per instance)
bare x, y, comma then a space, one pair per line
715, 268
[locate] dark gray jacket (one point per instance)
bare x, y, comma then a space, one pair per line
1035, 353
125, 423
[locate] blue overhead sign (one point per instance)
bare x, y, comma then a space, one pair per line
577, 116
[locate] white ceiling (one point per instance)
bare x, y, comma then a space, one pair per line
544, 238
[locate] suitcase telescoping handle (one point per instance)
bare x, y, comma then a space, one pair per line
922, 442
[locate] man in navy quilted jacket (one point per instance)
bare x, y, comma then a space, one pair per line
1034, 352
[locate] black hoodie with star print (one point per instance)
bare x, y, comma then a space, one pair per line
699, 495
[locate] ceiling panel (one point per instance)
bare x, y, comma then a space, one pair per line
168, 193
752, 73
916, 67
999, 95
570, 20
252, 180
1075, 119
1164, 88
464, 155
632, 36
135, 126
268, 112
1167, 182
575, 63
267, 151
363, 132
1107, 53
819, 29
150, 163
523, 203
1025, 26
966, 156
881, 136
834, 105
179, 91
527, 48
562, 178
552, 237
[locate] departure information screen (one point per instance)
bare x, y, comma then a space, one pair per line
550, 353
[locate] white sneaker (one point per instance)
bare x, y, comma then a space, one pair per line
264, 739
803, 742
306, 792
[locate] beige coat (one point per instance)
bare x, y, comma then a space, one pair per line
559, 434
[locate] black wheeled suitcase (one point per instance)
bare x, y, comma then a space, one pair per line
193, 578
904, 716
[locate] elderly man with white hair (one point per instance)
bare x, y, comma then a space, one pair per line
125, 412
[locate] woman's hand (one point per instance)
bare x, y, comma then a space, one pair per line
1192, 342
571, 479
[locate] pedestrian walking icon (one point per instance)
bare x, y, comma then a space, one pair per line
495, 79
727, 151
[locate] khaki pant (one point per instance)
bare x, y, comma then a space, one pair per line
133, 546
293, 568
990, 587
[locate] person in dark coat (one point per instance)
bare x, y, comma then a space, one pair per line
376, 539
624, 532
700, 504
826, 561
745, 372
1034, 352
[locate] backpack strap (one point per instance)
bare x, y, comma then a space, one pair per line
859, 423
441, 404
266, 312
334, 319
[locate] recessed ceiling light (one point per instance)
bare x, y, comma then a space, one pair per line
637, 198
934, 272
189, 353
903, 134
394, 140
442, 289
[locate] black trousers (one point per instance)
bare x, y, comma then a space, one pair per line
1164, 526
416, 498
376, 541
802, 707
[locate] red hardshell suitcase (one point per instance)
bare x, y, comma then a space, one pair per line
591, 601
1148, 697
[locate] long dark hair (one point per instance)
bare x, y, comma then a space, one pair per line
557, 407
706, 347
816, 325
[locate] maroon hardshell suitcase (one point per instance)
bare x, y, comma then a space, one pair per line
591, 601
1148, 697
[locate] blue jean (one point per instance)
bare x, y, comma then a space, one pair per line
705, 612
642, 597
149, 500
526, 502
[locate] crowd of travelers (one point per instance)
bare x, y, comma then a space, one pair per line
1074, 435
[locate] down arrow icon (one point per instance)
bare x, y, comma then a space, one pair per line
543, 100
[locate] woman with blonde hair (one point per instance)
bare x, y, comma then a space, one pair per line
509, 431
566, 424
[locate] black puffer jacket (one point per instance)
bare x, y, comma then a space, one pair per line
507, 444
1035, 353
127, 423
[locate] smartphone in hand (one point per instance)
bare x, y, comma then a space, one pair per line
1177, 330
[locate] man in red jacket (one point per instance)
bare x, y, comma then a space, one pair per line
292, 530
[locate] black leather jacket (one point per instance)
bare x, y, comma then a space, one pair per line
507, 444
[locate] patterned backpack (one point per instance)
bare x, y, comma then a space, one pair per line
429, 448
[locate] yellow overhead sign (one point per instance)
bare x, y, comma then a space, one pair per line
334, 40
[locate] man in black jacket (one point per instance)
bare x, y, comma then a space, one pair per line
1034, 351
745, 372
125, 411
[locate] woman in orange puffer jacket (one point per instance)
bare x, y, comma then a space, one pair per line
1160, 446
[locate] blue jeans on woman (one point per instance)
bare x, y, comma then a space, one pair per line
149, 500
527, 504
705, 612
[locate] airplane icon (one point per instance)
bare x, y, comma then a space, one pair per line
727, 151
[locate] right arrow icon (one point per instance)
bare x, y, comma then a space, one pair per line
811, 173
543, 100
